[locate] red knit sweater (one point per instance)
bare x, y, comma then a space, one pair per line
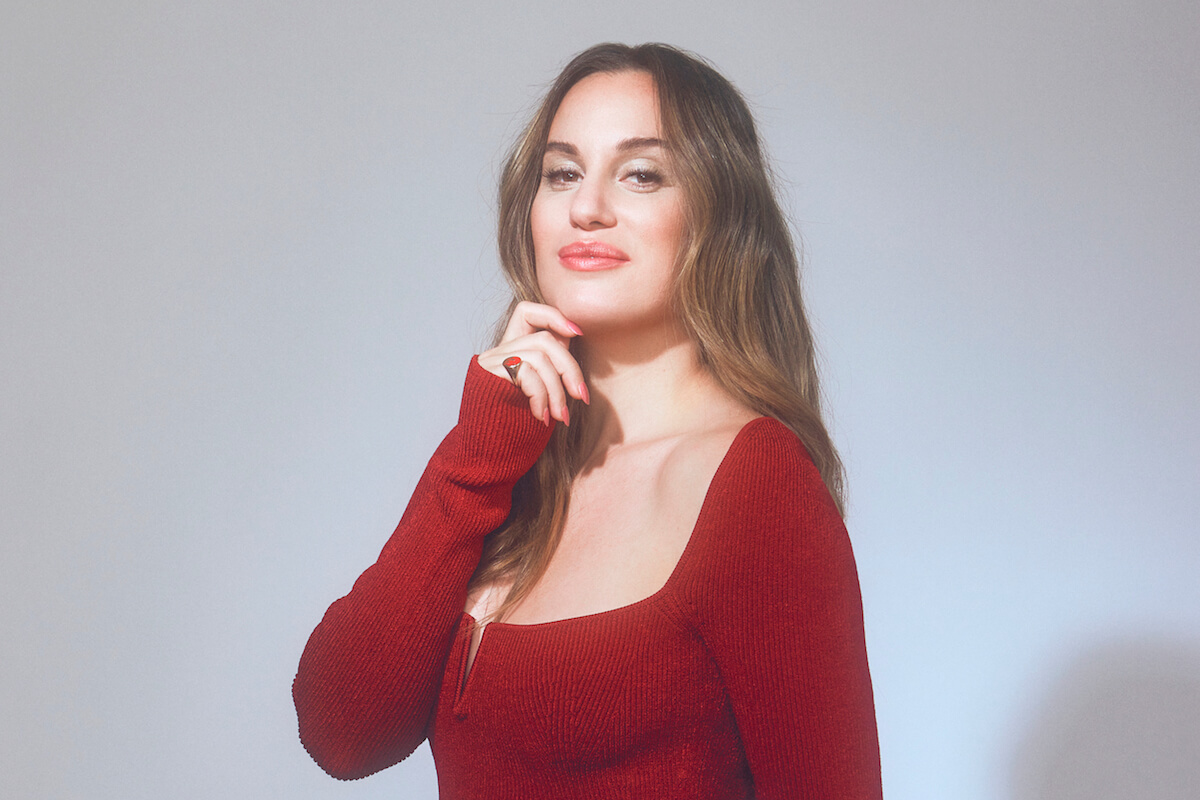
744, 676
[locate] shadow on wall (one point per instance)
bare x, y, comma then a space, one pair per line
1123, 723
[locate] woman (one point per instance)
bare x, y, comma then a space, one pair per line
624, 572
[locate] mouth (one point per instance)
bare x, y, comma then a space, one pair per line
591, 256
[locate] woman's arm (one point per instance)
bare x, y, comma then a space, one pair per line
370, 673
780, 610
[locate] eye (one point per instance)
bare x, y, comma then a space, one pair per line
560, 177
644, 178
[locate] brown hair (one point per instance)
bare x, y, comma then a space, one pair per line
737, 290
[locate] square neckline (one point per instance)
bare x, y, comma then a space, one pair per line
654, 596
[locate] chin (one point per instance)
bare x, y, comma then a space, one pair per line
584, 307
597, 320
603, 306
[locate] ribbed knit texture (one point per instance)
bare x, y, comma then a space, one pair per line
745, 676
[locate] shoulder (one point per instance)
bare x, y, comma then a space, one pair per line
767, 519
772, 590
767, 464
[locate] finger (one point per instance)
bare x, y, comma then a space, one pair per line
570, 374
531, 384
566, 370
545, 342
549, 380
530, 317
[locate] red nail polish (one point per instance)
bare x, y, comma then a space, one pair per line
583, 394
566, 416
546, 418
574, 328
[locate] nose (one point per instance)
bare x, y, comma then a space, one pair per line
591, 207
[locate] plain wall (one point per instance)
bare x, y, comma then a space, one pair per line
246, 252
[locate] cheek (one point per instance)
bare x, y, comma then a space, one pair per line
666, 230
542, 232
535, 226
541, 229
537, 232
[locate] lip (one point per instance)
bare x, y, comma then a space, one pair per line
591, 256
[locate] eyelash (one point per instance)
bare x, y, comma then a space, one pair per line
558, 174
646, 177
651, 177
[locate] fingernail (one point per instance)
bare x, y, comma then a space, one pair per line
583, 394
574, 328
546, 418
566, 416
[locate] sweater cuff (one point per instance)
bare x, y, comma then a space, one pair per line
497, 424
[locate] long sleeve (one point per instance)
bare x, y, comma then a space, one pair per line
370, 673
780, 611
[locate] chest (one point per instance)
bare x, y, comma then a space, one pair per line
626, 528
618, 702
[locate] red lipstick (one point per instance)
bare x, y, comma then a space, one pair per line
591, 256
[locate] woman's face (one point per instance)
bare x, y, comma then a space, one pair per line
608, 217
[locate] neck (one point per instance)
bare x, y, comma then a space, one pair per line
645, 385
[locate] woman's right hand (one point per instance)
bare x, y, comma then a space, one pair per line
539, 335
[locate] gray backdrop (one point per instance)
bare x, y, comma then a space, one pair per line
246, 252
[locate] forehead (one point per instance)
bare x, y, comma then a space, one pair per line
606, 108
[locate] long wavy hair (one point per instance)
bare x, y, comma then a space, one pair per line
736, 293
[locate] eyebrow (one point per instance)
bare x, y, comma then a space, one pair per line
624, 146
